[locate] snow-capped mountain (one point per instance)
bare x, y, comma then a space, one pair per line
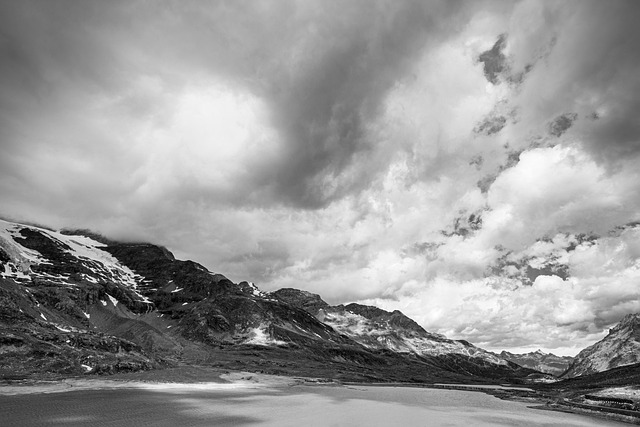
540, 361
37, 255
73, 302
619, 348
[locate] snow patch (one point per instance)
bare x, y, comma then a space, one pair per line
260, 336
89, 251
255, 291
113, 300
42, 315
12, 271
22, 257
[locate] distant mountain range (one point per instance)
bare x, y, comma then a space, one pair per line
620, 348
544, 362
73, 302
378, 329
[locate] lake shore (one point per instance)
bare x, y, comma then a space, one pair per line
207, 379
526, 395
204, 379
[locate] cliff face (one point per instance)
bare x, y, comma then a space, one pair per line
73, 302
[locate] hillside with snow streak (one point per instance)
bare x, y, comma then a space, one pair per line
29, 253
73, 302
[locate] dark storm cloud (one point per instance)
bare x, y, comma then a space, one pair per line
322, 71
493, 60
613, 66
595, 64
262, 263
353, 62
561, 123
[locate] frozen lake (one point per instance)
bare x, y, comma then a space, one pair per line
233, 405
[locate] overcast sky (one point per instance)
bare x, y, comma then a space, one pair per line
472, 164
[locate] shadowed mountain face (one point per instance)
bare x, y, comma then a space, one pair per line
620, 347
73, 302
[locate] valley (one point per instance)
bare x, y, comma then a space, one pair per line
76, 308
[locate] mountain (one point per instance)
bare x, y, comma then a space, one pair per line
378, 329
620, 347
544, 362
73, 302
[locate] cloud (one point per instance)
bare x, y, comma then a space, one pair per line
356, 149
559, 315
587, 48
351, 64
98, 82
557, 189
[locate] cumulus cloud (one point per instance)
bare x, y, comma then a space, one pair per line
559, 188
586, 47
563, 316
473, 164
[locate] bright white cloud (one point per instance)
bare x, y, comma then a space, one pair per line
213, 142
557, 189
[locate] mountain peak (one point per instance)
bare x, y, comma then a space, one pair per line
631, 320
305, 300
395, 318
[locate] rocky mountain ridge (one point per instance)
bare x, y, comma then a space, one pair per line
72, 302
378, 329
620, 347
540, 361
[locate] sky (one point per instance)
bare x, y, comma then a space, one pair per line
474, 164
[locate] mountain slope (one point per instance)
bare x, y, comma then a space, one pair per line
544, 362
88, 284
73, 302
378, 329
619, 348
